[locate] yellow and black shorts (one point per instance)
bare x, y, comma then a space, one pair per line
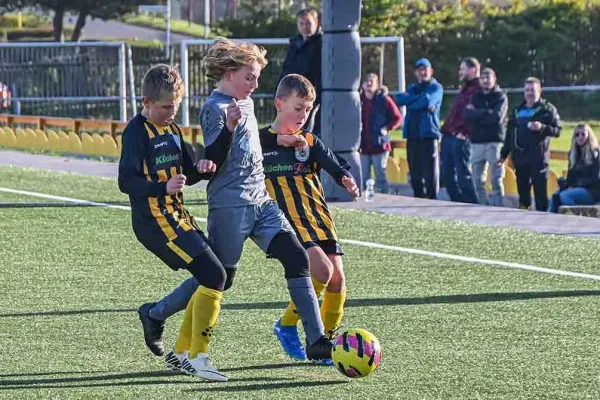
329, 247
177, 253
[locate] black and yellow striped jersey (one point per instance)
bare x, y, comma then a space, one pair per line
150, 156
292, 180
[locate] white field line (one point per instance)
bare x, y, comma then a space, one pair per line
408, 250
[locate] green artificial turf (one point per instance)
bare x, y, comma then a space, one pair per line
72, 278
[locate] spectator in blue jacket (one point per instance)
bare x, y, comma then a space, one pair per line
380, 115
423, 101
582, 186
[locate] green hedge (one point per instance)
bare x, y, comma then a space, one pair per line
32, 34
28, 20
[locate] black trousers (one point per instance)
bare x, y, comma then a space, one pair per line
528, 175
424, 167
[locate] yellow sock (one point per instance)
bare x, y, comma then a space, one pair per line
290, 315
332, 310
207, 304
184, 340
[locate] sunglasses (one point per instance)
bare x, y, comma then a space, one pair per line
578, 134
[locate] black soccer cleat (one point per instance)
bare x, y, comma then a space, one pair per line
320, 351
153, 330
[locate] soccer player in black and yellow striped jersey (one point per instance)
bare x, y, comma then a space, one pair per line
153, 169
292, 179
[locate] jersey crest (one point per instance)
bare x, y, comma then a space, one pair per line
303, 154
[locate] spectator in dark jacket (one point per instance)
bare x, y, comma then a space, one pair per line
486, 116
528, 133
456, 145
423, 101
379, 115
303, 57
582, 186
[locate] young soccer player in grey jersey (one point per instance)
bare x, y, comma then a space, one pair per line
239, 204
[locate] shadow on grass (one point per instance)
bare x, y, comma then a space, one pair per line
50, 373
104, 380
375, 302
268, 386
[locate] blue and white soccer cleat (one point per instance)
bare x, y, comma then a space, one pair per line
290, 341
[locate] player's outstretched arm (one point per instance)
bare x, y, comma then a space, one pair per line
132, 179
194, 173
334, 165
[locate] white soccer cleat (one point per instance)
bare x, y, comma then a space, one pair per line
202, 368
173, 360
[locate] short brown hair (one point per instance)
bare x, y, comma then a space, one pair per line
224, 55
308, 11
533, 80
162, 80
472, 62
294, 83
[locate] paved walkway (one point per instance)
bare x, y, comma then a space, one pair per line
401, 205
97, 29
494, 216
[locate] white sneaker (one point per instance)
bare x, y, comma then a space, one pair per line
201, 367
173, 360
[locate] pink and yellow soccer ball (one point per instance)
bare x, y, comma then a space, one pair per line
356, 353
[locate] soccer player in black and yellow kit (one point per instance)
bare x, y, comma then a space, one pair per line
292, 179
153, 170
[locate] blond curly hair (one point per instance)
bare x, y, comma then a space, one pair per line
225, 55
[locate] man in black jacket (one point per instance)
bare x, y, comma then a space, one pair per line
486, 115
304, 58
530, 127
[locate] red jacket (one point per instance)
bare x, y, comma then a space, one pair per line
455, 121
379, 116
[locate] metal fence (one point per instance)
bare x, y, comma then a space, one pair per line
102, 80
66, 78
384, 55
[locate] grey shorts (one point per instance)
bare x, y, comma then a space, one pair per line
228, 229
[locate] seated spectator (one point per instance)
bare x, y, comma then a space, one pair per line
582, 186
379, 116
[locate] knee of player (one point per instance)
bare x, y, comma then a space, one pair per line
321, 269
338, 278
208, 271
287, 249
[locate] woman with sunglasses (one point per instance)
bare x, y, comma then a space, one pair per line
582, 186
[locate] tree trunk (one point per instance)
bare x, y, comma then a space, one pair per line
79, 25
59, 15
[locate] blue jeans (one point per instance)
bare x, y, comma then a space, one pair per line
379, 163
574, 196
456, 169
